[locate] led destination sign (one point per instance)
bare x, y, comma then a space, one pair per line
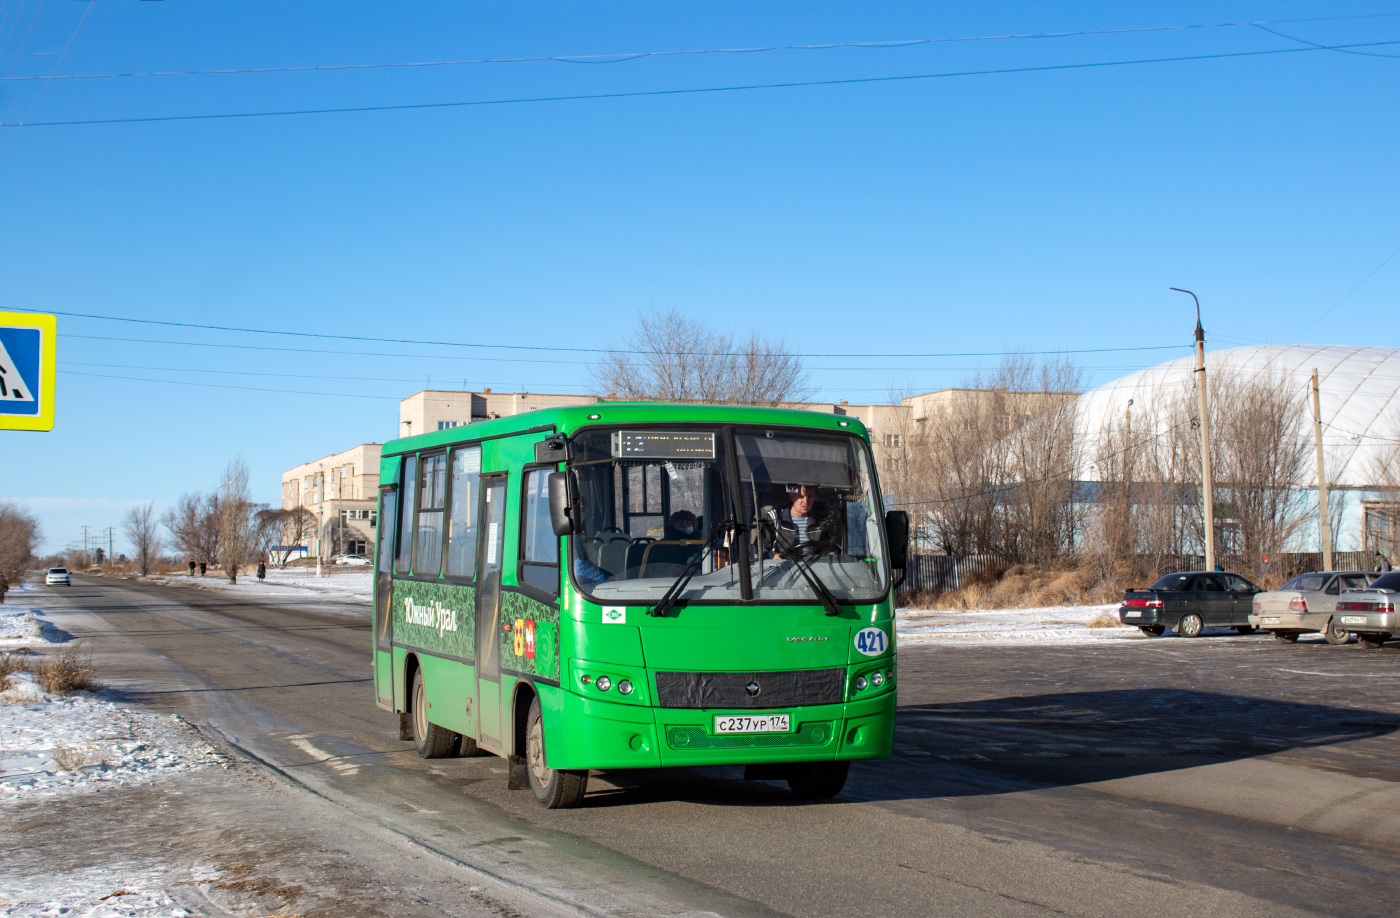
661, 444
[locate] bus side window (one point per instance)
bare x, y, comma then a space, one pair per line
405, 527
539, 555
432, 485
461, 519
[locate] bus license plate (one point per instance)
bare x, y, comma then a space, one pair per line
1353, 619
745, 723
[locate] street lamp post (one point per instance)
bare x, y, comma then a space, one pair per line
1207, 483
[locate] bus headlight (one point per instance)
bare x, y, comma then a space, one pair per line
877, 679
624, 687
604, 683
860, 683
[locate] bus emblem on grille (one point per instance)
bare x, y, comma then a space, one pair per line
753, 688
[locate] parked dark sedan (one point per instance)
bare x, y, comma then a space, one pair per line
1190, 601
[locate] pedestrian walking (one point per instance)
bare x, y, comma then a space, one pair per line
201, 568
191, 567
4, 588
262, 572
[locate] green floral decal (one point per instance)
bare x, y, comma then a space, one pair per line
538, 631
434, 617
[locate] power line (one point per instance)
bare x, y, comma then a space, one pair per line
634, 94
1348, 294
570, 350
629, 56
173, 382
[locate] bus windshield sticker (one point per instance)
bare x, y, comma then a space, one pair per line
871, 641
661, 444
614, 615
491, 539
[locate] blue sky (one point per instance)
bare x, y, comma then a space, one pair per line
1036, 210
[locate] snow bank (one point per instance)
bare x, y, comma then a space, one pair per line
51, 745
28, 628
1045, 625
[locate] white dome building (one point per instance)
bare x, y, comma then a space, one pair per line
1359, 391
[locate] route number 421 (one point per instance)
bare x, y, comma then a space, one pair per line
871, 641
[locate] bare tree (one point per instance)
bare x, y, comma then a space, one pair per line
672, 357
142, 529
990, 468
237, 527
267, 530
194, 523
19, 536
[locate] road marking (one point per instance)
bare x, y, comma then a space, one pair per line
299, 740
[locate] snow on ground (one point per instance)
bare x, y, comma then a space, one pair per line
22, 627
51, 745
98, 892
343, 586
1045, 625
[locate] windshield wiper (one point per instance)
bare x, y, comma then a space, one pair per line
673, 593
793, 553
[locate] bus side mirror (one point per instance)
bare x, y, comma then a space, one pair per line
897, 537
560, 509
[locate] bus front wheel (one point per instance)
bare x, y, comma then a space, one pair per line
817, 780
433, 742
555, 788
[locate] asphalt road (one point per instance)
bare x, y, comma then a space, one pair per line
1230, 776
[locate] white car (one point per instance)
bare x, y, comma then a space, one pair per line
58, 575
353, 561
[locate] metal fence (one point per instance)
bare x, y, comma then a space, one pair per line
944, 573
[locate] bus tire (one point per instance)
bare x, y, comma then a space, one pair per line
817, 780
433, 742
555, 788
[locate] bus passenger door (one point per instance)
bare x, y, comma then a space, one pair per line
488, 613
383, 585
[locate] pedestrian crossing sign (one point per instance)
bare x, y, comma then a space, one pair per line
28, 342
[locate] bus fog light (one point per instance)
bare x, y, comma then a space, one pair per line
624, 687
860, 683
604, 683
585, 679
877, 679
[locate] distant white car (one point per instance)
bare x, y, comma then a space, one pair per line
353, 561
58, 575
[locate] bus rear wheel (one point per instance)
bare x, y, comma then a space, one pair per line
433, 742
817, 780
555, 788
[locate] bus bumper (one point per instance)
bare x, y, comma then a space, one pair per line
586, 733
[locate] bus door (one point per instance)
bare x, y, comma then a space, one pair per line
383, 585
488, 612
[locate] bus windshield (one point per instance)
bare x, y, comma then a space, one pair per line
654, 501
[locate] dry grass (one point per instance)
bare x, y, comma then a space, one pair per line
67, 670
72, 758
1026, 587
11, 663
1103, 620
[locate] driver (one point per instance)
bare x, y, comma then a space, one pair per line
807, 523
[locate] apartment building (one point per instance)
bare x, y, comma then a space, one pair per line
341, 491
436, 409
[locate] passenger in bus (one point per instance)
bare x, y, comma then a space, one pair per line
682, 525
588, 573
807, 523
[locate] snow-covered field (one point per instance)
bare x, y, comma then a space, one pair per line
353, 586
51, 745
99, 892
1046, 625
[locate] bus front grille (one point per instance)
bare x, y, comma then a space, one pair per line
809, 734
786, 689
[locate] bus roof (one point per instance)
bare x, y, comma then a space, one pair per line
570, 418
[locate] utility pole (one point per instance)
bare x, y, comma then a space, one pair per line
320, 514
1207, 483
85, 544
1326, 518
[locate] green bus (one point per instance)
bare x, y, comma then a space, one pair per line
639, 585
